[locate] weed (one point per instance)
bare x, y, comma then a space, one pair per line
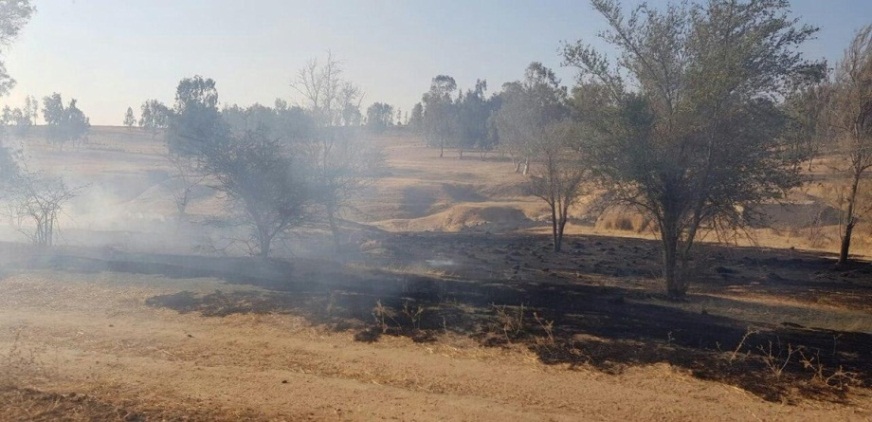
838, 379
414, 314
511, 322
548, 328
776, 361
382, 315
748, 333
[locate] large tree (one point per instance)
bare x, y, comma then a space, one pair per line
154, 116
690, 129
338, 162
262, 180
379, 116
262, 176
849, 116
528, 106
65, 124
195, 126
439, 122
474, 110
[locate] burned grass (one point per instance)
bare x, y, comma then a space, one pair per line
597, 305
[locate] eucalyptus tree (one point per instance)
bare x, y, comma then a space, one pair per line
439, 118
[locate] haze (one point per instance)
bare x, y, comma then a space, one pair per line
112, 54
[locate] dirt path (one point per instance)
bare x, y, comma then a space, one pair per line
92, 335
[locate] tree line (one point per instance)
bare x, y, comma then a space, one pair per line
706, 112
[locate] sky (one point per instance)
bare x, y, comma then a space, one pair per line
111, 54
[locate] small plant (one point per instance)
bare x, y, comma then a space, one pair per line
838, 379
749, 332
511, 322
547, 327
381, 315
777, 361
414, 314
331, 303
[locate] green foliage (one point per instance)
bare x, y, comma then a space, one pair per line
154, 116
527, 107
379, 116
129, 118
439, 122
65, 124
195, 126
262, 179
13, 16
686, 123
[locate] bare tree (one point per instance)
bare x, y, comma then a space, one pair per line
690, 131
36, 204
339, 163
850, 118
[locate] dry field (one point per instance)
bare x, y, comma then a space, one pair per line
446, 304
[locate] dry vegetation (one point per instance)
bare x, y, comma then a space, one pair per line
445, 304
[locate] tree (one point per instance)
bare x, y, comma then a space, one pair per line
13, 16
154, 116
195, 126
129, 119
263, 178
263, 181
473, 119
690, 128
416, 120
339, 163
849, 117
528, 106
558, 174
439, 121
18, 118
65, 124
39, 199
331, 99
379, 116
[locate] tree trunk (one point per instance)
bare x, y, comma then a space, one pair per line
441, 149
849, 224
676, 287
526, 166
334, 230
265, 243
561, 226
518, 166
554, 228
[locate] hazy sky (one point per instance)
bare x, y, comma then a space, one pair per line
111, 54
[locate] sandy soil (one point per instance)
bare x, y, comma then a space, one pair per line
106, 328
91, 338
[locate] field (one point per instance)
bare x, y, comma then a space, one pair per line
444, 304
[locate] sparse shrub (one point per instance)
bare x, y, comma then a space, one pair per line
510, 321
414, 314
